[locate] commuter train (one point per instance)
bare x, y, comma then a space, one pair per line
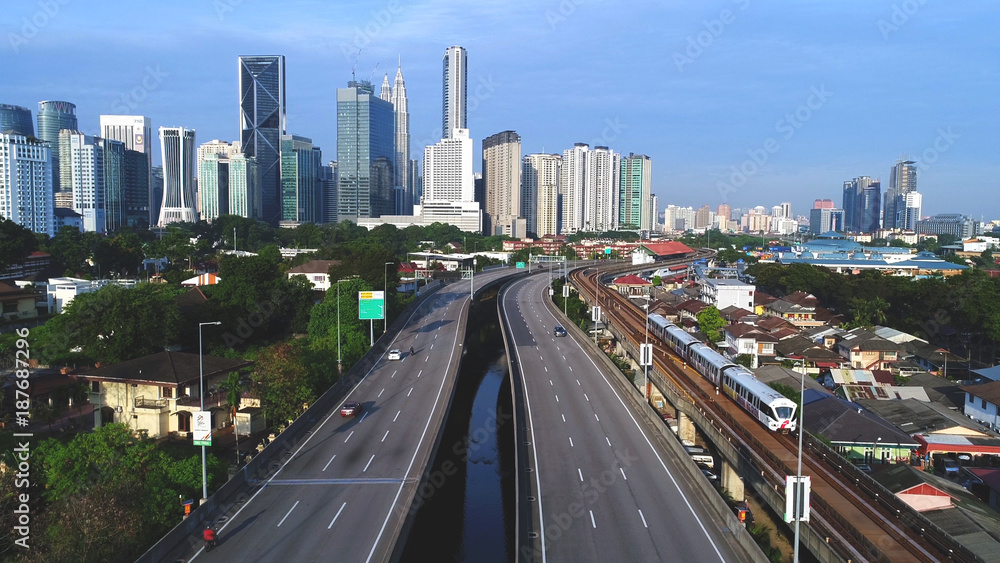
771, 408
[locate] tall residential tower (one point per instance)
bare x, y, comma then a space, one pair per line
455, 80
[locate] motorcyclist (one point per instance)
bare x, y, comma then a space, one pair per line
411, 350
209, 535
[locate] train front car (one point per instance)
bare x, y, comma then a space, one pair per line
771, 408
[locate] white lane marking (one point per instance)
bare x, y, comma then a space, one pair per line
580, 473
595, 416
349, 436
550, 383
592, 522
329, 462
570, 368
363, 417
397, 416
564, 358
420, 372
608, 440
393, 375
287, 513
337, 516
386, 434
546, 369
436, 335
426, 358
571, 442
643, 518
367, 464
410, 391
578, 382
380, 392
564, 417
586, 397
557, 398
623, 472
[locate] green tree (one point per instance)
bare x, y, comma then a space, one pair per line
16, 243
281, 381
710, 322
233, 386
745, 360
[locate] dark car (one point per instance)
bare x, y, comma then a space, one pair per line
350, 408
559, 331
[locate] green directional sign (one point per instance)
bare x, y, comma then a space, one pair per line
371, 305
607, 251
520, 265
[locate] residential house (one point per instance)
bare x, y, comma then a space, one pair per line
689, 309
631, 285
854, 432
815, 357
747, 339
982, 403
796, 314
734, 314
912, 487
317, 272
865, 350
160, 393
16, 303
726, 292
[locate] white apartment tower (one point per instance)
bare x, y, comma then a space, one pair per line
178, 153
455, 80
26, 183
601, 194
540, 193
449, 185
572, 185
82, 168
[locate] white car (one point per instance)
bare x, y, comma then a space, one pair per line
394, 354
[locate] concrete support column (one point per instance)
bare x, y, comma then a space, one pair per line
685, 427
731, 480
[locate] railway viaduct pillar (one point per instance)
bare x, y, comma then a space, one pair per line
731, 480
685, 428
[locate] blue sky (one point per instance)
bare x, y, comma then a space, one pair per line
736, 101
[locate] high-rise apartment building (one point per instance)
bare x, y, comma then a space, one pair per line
540, 193
262, 123
178, 153
861, 205
702, 217
365, 153
634, 193
502, 177
82, 169
823, 220
328, 191
26, 183
600, 206
16, 120
454, 80
213, 185
300, 187
823, 204
136, 131
902, 180
572, 188
244, 186
448, 183
724, 215
53, 117
914, 202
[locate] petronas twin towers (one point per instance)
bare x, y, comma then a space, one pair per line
396, 95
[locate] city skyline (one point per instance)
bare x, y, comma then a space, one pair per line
717, 84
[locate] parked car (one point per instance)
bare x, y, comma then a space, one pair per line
950, 467
559, 331
394, 354
351, 408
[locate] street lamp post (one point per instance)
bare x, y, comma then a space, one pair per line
385, 296
340, 368
798, 473
597, 300
201, 392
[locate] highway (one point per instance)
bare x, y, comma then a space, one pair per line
607, 490
344, 493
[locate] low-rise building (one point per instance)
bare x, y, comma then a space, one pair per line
867, 351
724, 292
16, 303
316, 271
62, 291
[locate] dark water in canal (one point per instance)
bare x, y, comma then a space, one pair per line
467, 506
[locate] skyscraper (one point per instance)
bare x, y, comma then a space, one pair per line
635, 191
178, 153
16, 120
300, 187
402, 163
136, 132
213, 179
328, 191
155, 193
572, 185
244, 186
115, 190
262, 123
601, 194
54, 117
902, 180
540, 193
861, 203
914, 202
449, 185
502, 177
26, 183
455, 79
82, 168
365, 153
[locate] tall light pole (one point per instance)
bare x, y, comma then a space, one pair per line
597, 300
201, 392
385, 296
645, 370
798, 473
340, 368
